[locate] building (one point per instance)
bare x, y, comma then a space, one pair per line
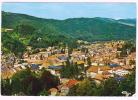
53, 91
92, 71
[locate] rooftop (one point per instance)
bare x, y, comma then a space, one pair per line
93, 69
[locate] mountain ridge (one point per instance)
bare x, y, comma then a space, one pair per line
90, 29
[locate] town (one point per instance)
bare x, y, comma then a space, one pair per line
98, 61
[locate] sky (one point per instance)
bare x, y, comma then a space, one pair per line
73, 10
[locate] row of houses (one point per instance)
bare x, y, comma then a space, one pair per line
100, 73
9, 72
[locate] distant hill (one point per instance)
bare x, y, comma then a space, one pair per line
90, 29
131, 22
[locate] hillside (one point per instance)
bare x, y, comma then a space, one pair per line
131, 22
41, 33
89, 29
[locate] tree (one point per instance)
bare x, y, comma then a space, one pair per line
43, 93
132, 62
25, 81
6, 88
89, 61
13, 45
65, 72
29, 83
76, 70
48, 80
32, 86
25, 29
86, 88
128, 47
70, 70
129, 84
110, 88
72, 91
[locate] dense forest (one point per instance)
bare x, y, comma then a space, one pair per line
89, 29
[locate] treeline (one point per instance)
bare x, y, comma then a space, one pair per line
12, 45
89, 29
26, 35
29, 83
110, 87
128, 47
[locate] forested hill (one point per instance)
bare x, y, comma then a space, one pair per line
131, 22
89, 29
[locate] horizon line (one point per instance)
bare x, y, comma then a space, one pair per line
69, 17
